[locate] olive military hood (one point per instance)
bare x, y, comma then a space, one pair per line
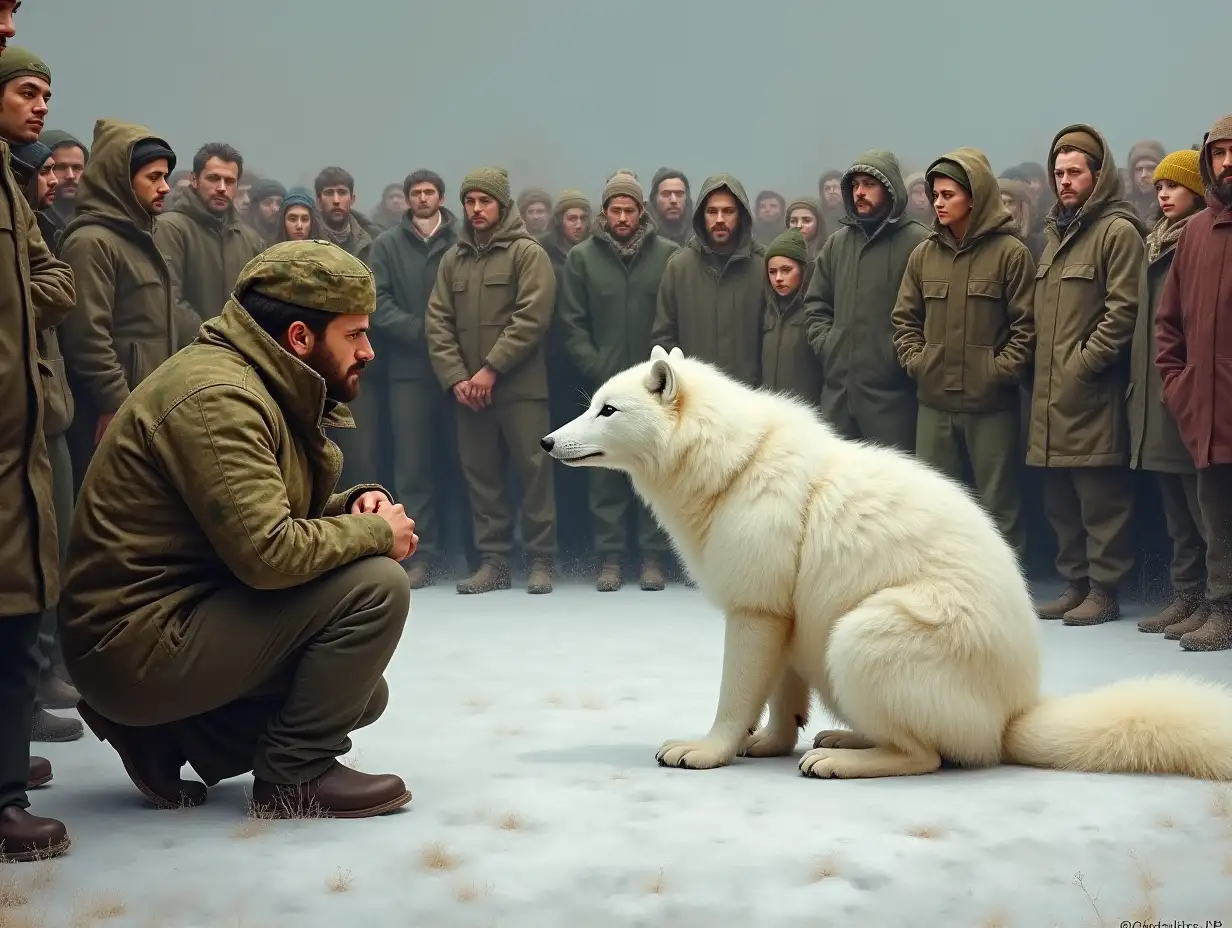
509, 228
989, 215
1108, 197
1220, 132
884, 166
105, 195
315, 274
715, 182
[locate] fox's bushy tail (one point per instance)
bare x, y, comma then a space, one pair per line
1163, 724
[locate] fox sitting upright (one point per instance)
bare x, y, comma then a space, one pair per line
860, 573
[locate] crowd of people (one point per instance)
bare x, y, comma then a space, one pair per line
1039, 334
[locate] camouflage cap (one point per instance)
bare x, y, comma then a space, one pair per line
315, 274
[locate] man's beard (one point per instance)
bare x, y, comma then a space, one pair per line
338, 385
1223, 188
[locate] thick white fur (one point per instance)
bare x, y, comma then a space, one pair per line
863, 575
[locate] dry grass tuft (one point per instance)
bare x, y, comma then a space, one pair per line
22, 918
997, 919
14, 891
511, 821
1092, 899
657, 884
1148, 882
823, 869
340, 882
470, 892
1166, 821
927, 832
284, 809
98, 909
352, 760
435, 856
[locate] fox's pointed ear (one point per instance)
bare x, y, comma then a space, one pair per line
661, 381
675, 353
657, 352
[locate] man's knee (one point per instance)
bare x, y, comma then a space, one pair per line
381, 583
376, 706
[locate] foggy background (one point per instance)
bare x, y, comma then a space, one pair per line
564, 92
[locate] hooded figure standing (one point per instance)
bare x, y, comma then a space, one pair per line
1086, 304
671, 205
127, 322
224, 606
788, 364
849, 304
1194, 360
963, 330
710, 298
489, 312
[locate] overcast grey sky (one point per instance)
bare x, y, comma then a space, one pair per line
563, 92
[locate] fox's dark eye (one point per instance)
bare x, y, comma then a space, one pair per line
607, 410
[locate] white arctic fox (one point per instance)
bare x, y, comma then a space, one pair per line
863, 574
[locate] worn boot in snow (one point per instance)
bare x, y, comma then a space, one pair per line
540, 579
1215, 635
652, 574
1182, 606
1101, 605
49, 727
491, 575
419, 574
1192, 623
610, 577
1071, 597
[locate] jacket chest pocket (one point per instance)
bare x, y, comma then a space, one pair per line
1077, 284
936, 294
143, 309
496, 299
985, 313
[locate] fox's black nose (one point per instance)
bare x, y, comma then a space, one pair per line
547, 443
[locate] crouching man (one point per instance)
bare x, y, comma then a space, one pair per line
223, 606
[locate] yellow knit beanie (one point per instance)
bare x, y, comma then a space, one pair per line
1181, 167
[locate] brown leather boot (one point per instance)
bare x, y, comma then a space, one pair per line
419, 574
611, 577
151, 759
25, 837
1214, 635
491, 575
54, 693
1101, 605
1189, 624
40, 772
1182, 606
540, 579
339, 792
652, 574
54, 728
1071, 597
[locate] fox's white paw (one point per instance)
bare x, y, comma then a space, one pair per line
694, 755
835, 738
770, 742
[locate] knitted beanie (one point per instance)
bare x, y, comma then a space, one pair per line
951, 169
27, 160
1082, 140
299, 196
490, 180
570, 199
19, 62
1181, 167
789, 244
265, 188
150, 149
812, 204
632, 174
623, 185
529, 195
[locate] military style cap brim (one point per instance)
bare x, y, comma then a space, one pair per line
314, 274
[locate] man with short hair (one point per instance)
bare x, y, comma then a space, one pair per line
710, 298
1193, 345
405, 260
770, 210
670, 205
1086, 305
224, 606
850, 301
127, 322
335, 190
963, 331
488, 314
203, 237
535, 207
609, 288
71, 158
36, 292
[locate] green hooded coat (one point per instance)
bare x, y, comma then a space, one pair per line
1087, 291
963, 326
849, 305
709, 303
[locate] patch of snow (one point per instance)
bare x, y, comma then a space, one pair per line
526, 727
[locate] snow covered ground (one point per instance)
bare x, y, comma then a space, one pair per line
527, 726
